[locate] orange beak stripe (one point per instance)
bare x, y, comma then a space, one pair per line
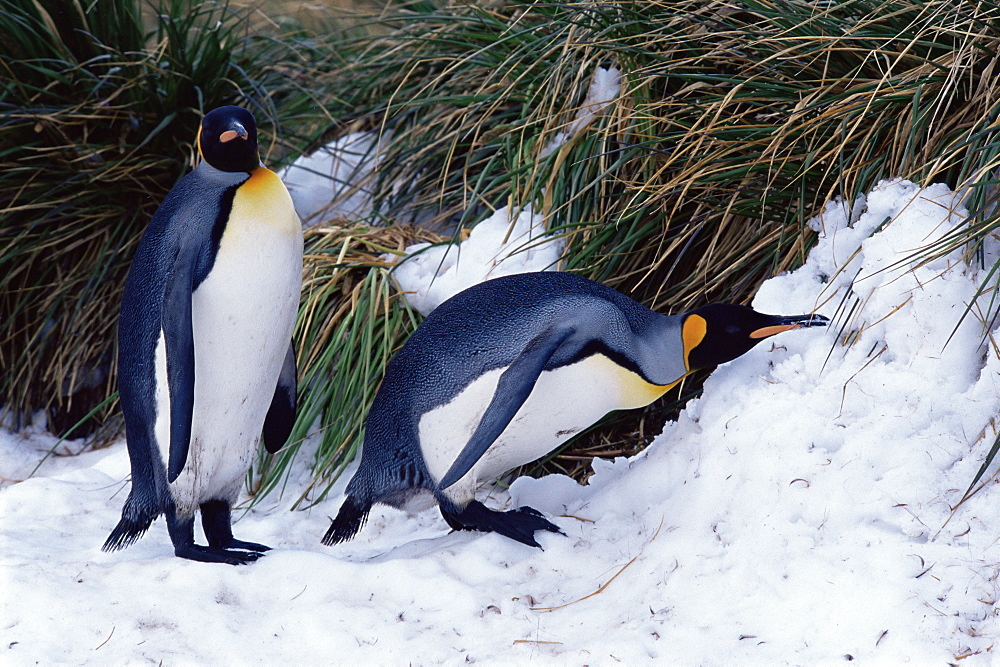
765, 332
228, 135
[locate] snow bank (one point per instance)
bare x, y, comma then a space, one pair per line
497, 246
335, 180
796, 514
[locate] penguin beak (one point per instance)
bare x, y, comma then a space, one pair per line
788, 323
236, 131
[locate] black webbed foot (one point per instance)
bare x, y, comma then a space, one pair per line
216, 520
519, 524
246, 546
216, 555
222, 547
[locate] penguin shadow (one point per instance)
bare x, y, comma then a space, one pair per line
418, 548
430, 538
383, 544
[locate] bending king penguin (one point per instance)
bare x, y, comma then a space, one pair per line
507, 370
205, 360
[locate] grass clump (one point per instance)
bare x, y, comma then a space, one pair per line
737, 121
351, 323
99, 118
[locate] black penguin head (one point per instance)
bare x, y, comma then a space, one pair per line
227, 139
721, 332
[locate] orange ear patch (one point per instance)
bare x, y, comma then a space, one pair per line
692, 333
765, 332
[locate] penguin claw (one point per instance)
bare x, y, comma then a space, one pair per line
249, 556
247, 546
217, 555
242, 557
519, 525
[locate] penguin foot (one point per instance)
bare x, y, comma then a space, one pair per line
247, 546
351, 517
216, 555
519, 524
216, 519
222, 548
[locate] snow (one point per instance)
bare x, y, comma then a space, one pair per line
503, 244
335, 180
605, 87
797, 513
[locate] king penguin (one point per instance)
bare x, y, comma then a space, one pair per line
205, 357
505, 371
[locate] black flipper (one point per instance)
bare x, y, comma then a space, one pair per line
512, 391
216, 519
281, 415
178, 331
519, 524
351, 517
182, 535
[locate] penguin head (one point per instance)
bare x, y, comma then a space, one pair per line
721, 332
227, 139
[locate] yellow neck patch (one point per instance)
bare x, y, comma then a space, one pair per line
632, 390
692, 333
262, 183
262, 202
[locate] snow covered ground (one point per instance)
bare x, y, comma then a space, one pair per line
797, 513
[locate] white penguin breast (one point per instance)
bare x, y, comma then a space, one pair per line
243, 315
562, 403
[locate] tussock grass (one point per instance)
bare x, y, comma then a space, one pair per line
351, 322
738, 120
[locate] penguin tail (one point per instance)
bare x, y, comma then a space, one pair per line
136, 519
351, 517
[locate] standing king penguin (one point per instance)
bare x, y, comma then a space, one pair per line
505, 371
205, 360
